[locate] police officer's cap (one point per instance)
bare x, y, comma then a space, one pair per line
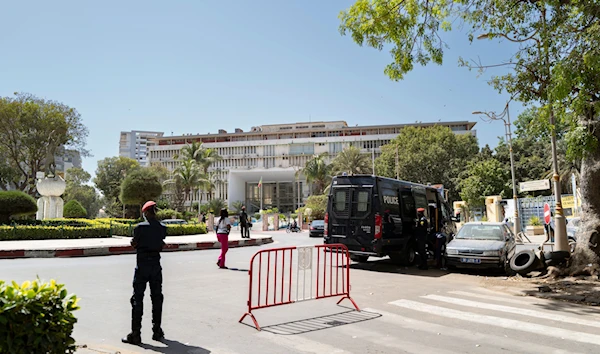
148, 205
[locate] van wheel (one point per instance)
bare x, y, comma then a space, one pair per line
405, 257
359, 259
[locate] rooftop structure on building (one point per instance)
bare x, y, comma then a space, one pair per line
276, 153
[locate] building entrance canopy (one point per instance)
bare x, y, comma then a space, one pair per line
280, 188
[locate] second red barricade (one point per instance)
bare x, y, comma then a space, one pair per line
281, 276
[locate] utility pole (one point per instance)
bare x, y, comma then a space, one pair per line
507, 131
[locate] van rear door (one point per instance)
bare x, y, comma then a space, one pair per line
351, 216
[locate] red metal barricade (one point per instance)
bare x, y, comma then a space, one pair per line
271, 276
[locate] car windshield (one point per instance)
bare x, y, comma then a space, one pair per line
483, 232
318, 223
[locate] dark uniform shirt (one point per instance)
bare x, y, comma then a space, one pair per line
243, 218
148, 240
422, 227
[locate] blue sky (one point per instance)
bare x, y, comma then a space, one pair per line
197, 66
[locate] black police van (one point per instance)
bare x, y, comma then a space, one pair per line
376, 216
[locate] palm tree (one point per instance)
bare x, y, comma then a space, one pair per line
189, 176
190, 151
206, 157
318, 172
351, 161
211, 181
215, 205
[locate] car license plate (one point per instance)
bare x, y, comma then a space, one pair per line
471, 260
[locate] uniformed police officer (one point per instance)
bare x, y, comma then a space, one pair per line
421, 231
148, 240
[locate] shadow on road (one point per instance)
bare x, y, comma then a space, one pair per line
387, 266
321, 323
175, 347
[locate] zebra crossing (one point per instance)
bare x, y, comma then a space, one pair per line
460, 321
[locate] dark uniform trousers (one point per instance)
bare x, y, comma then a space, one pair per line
422, 249
147, 271
245, 229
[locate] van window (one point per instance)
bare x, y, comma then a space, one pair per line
445, 212
340, 200
421, 201
363, 201
409, 209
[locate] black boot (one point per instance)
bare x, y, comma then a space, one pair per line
132, 338
158, 334
137, 310
157, 331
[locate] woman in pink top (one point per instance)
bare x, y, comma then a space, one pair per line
223, 228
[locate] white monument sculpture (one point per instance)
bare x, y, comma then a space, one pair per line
50, 205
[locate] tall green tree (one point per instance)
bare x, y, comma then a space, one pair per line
555, 64
428, 155
352, 161
140, 186
483, 178
77, 189
110, 174
318, 172
32, 130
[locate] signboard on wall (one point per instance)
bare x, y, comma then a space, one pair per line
541, 185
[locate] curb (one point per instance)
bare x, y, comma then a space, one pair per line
116, 250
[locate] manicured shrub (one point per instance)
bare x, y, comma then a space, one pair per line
168, 214
188, 229
13, 203
74, 209
18, 232
36, 317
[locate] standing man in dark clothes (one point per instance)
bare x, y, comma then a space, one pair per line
148, 241
244, 223
421, 232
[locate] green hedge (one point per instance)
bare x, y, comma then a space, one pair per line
85, 228
53, 232
74, 209
36, 317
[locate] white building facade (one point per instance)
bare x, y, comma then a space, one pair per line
276, 154
134, 144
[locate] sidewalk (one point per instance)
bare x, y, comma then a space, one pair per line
117, 245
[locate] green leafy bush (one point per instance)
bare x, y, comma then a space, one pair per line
188, 229
13, 203
535, 221
52, 232
36, 317
74, 209
169, 214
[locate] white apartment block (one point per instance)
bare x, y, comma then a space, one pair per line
134, 144
277, 154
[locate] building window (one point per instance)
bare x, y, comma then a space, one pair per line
302, 149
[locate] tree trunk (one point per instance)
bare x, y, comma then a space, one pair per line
588, 236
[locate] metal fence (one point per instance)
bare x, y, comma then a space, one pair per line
529, 207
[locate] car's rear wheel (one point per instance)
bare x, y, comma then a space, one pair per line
359, 258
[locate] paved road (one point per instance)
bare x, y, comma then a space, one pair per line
404, 310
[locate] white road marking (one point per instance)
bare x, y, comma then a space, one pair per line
499, 322
510, 299
486, 340
301, 344
515, 310
379, 339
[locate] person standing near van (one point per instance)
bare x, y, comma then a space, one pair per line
148, 241
244, 227
223, 228
421, 233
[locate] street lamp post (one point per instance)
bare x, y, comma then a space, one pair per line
505, 117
